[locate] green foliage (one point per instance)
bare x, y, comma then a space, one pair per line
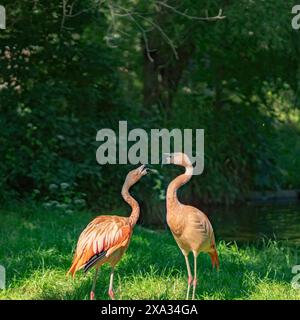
52, 82
241, 151
63, 78
64, 197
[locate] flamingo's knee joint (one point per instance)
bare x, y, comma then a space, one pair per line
111, 294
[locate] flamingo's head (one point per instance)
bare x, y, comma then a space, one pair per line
177, 158
135, 175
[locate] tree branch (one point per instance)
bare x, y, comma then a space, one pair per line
218, 17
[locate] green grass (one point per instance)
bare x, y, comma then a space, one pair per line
37, 246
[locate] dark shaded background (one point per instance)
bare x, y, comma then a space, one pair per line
70, 68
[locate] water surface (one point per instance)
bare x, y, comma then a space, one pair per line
253, 222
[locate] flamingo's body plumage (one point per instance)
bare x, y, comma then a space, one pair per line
106, 238
190, 227
107, 235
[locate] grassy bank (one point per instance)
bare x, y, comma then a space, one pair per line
37, 245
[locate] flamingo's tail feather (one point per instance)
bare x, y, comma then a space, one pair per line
73, 268
215, 259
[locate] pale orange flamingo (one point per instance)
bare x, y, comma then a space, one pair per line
106, 238
190, 226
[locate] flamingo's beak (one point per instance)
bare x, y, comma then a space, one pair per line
149, 169
144, 169
141, 168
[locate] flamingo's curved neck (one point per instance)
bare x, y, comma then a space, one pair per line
172, 199
135, 213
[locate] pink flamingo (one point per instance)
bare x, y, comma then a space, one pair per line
106, 238
190, 227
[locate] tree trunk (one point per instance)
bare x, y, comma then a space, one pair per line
162, 75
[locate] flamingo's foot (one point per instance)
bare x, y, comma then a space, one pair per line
111, 294
92, 295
